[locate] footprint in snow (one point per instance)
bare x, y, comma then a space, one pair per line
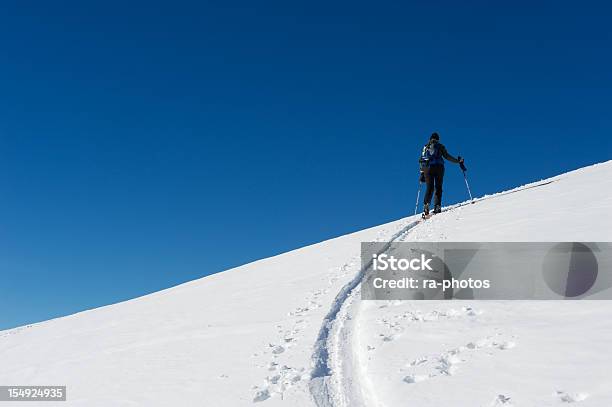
278, 383
469, 311
448, 364
261, 395
506, 345
273, 379
419, 361
299, 311
388, 338
571, 397
278, 349
501, 400
415, 378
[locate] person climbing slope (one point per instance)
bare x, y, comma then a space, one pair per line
432, 171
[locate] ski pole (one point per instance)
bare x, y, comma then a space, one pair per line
416, 205
463, 169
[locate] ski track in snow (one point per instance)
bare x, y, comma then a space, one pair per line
330, 384
323, 365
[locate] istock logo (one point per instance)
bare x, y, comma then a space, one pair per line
384, 262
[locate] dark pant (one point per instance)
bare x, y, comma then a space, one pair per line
434, 176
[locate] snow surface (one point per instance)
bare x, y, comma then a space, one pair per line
291, 330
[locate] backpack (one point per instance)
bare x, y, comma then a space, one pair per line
431, 155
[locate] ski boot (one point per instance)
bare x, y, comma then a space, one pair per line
425, 214
437, 209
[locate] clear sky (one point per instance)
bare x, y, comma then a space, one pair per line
145, 144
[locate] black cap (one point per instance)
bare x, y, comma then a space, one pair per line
435, 136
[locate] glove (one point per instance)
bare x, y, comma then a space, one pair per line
422, 177
460, 159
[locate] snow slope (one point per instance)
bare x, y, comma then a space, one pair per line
290, 330
227, 339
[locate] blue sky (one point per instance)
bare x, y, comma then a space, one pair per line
147, 144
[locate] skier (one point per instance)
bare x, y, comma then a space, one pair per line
432, 171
